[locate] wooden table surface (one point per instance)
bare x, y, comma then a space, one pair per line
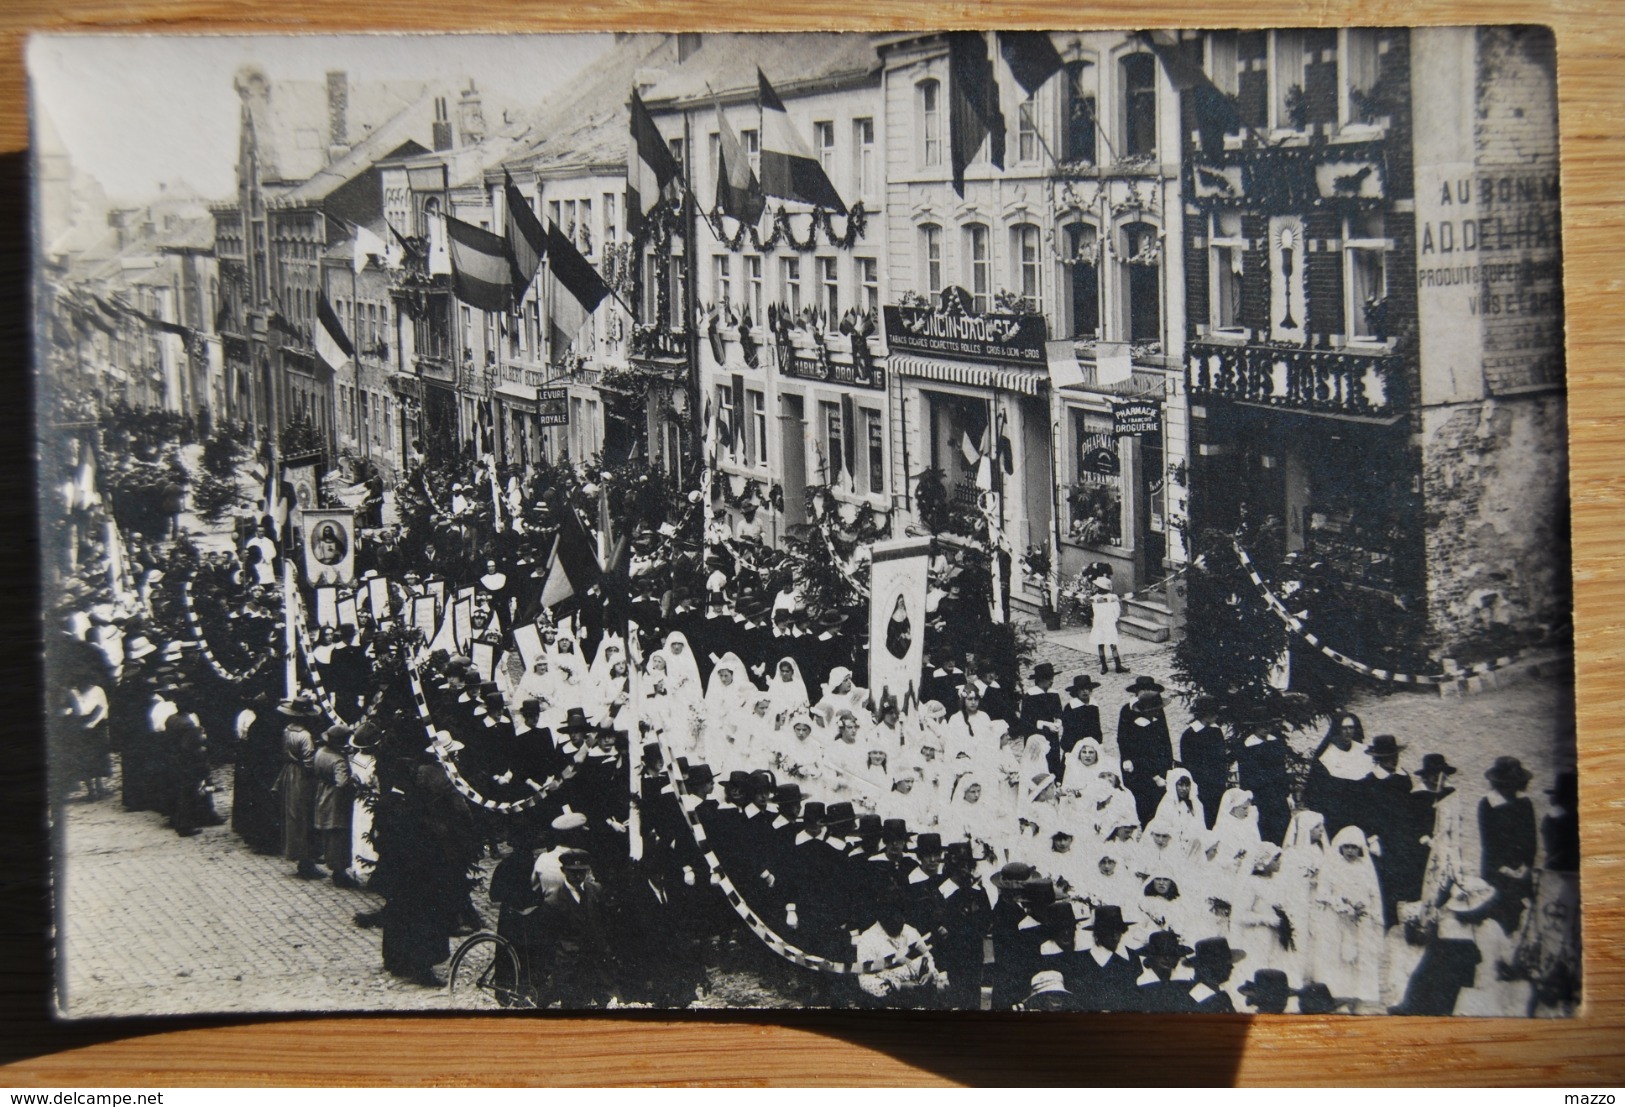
849, 1049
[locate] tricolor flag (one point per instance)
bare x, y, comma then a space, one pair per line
738, 192
368, 245
1216, 114
973, 104
577, 289
398, 249
574, 566
1114, 362
650, 168
1032, 58
333, 346
480, 274
1065, 371
790, 170
524, 234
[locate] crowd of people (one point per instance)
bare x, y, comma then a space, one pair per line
659, 780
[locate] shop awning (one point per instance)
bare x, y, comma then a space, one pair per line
1028, 382
521, 393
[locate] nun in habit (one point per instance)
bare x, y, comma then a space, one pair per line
1349, 955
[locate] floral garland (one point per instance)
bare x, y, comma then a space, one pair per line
857, 222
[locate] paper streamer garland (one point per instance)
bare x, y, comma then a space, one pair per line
1295, 625
203, 643
778, 945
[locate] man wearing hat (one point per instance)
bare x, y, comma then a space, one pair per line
1213, 961
1267, 992
1506, 833
331, 767
1041, 706
1048, 993
1015, 931
573, 954
1261, 767
1106, 977
1205, 754
1165, 981
1080, 719
943, 677
1146, 749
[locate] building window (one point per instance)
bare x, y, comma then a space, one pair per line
1142, 282
612, 233
1139, 106
676, 145
930, 115
756, 431
1078, 108
1226, 249
1365, 277
583, 233
863, 157
1024, 255
829, 288
877, 450
790, 283
869, 279
1289, 110
753, 272
1027, 144
931, 257
1222, 67
1083, 279
979, 262
722, 279
824, 140
751, 140
834, 440
1360, 60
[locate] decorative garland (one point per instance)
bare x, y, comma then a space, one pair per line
1295, 625
857, 221
203, 644
794, 954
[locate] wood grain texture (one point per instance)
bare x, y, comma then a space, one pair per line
817, 1048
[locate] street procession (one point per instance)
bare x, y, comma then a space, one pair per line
872, 560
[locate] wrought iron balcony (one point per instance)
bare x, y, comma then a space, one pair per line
1333, 381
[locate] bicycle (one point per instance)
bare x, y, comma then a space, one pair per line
487, 962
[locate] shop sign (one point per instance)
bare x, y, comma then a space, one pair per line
946, 328
553, 407
1136, 417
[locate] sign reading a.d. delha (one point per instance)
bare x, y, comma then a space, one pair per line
1136, 417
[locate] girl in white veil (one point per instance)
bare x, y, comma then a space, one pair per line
684, 690
1303, 861
1235, 836
1349, 960
967, 817
726, 712
1181, 809
787, 690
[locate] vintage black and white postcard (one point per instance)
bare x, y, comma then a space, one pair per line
1069, 520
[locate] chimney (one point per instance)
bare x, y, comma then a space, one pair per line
470, 117
338, 115
442, 125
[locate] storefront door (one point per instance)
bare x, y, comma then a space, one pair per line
793, 441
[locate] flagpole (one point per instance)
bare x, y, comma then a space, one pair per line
690, 250
289, 643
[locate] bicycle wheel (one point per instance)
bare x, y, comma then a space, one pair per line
487, 964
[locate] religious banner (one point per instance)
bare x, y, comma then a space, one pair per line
423, 615
378, 596
346, 611
327, 607
329, 546
897, 618
306, 487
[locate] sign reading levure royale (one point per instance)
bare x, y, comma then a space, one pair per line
949, 329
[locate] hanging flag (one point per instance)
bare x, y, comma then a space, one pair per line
399, 248
973, 104
480, 273
574, 567
739, 194
650, 168
368, 245
1216, 113
439, 252
1032, 58
524, 234
790, 171
1065, 371
333, 346
1114, 363
577, 289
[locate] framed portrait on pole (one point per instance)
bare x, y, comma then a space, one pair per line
329, 546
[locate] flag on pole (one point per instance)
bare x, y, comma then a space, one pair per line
480, 274
524, 234
790, 170
1216, 113
398, 248
573, 565
1032, 58
368, 245
739, 194
577, 289
650, 168
333, 346
1065, 371
973, 104
439, 252
1114, 363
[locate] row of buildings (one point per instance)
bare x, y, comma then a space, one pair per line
1310, 275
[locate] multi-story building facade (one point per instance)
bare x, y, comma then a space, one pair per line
1375, 320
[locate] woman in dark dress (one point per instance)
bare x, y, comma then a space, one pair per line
1261, 769
1506, 831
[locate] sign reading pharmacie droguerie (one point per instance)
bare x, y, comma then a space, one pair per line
946, 329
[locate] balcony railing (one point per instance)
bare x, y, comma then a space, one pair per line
806, 363
652, 342
1306, 380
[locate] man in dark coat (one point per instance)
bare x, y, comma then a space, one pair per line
1389, 810
1041, 706
1213, 961
1506, 833
1104, 979
574, 947
1146, 748
1261, 767
1205, 754
296, 786
1157, 989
